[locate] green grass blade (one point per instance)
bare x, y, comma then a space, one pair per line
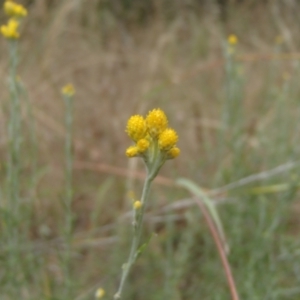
197, 191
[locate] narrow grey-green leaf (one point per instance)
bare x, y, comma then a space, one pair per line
197, 191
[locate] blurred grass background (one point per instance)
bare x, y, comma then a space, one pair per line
236, 116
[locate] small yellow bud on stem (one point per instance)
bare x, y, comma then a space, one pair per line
137, 204
68, 90
100, 293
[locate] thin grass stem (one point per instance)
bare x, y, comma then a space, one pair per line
221, 250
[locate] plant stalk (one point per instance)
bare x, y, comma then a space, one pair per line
69, 190
137, 230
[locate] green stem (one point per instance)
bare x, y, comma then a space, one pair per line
33, 136
69, 189
136, 236
14, 126
13, 168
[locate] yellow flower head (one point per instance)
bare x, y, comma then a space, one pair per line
100, 293
136, 127
173, 152
156, 121
10, 31
68, 90
132, 151
167, 139
142, 145
232, 39
14, 10
152, 133
137, 204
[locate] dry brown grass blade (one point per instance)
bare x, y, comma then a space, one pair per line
105, 168
221, 250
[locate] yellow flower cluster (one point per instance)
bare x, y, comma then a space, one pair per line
152, 135
10, 31
68, 90
232, 39
15, 12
